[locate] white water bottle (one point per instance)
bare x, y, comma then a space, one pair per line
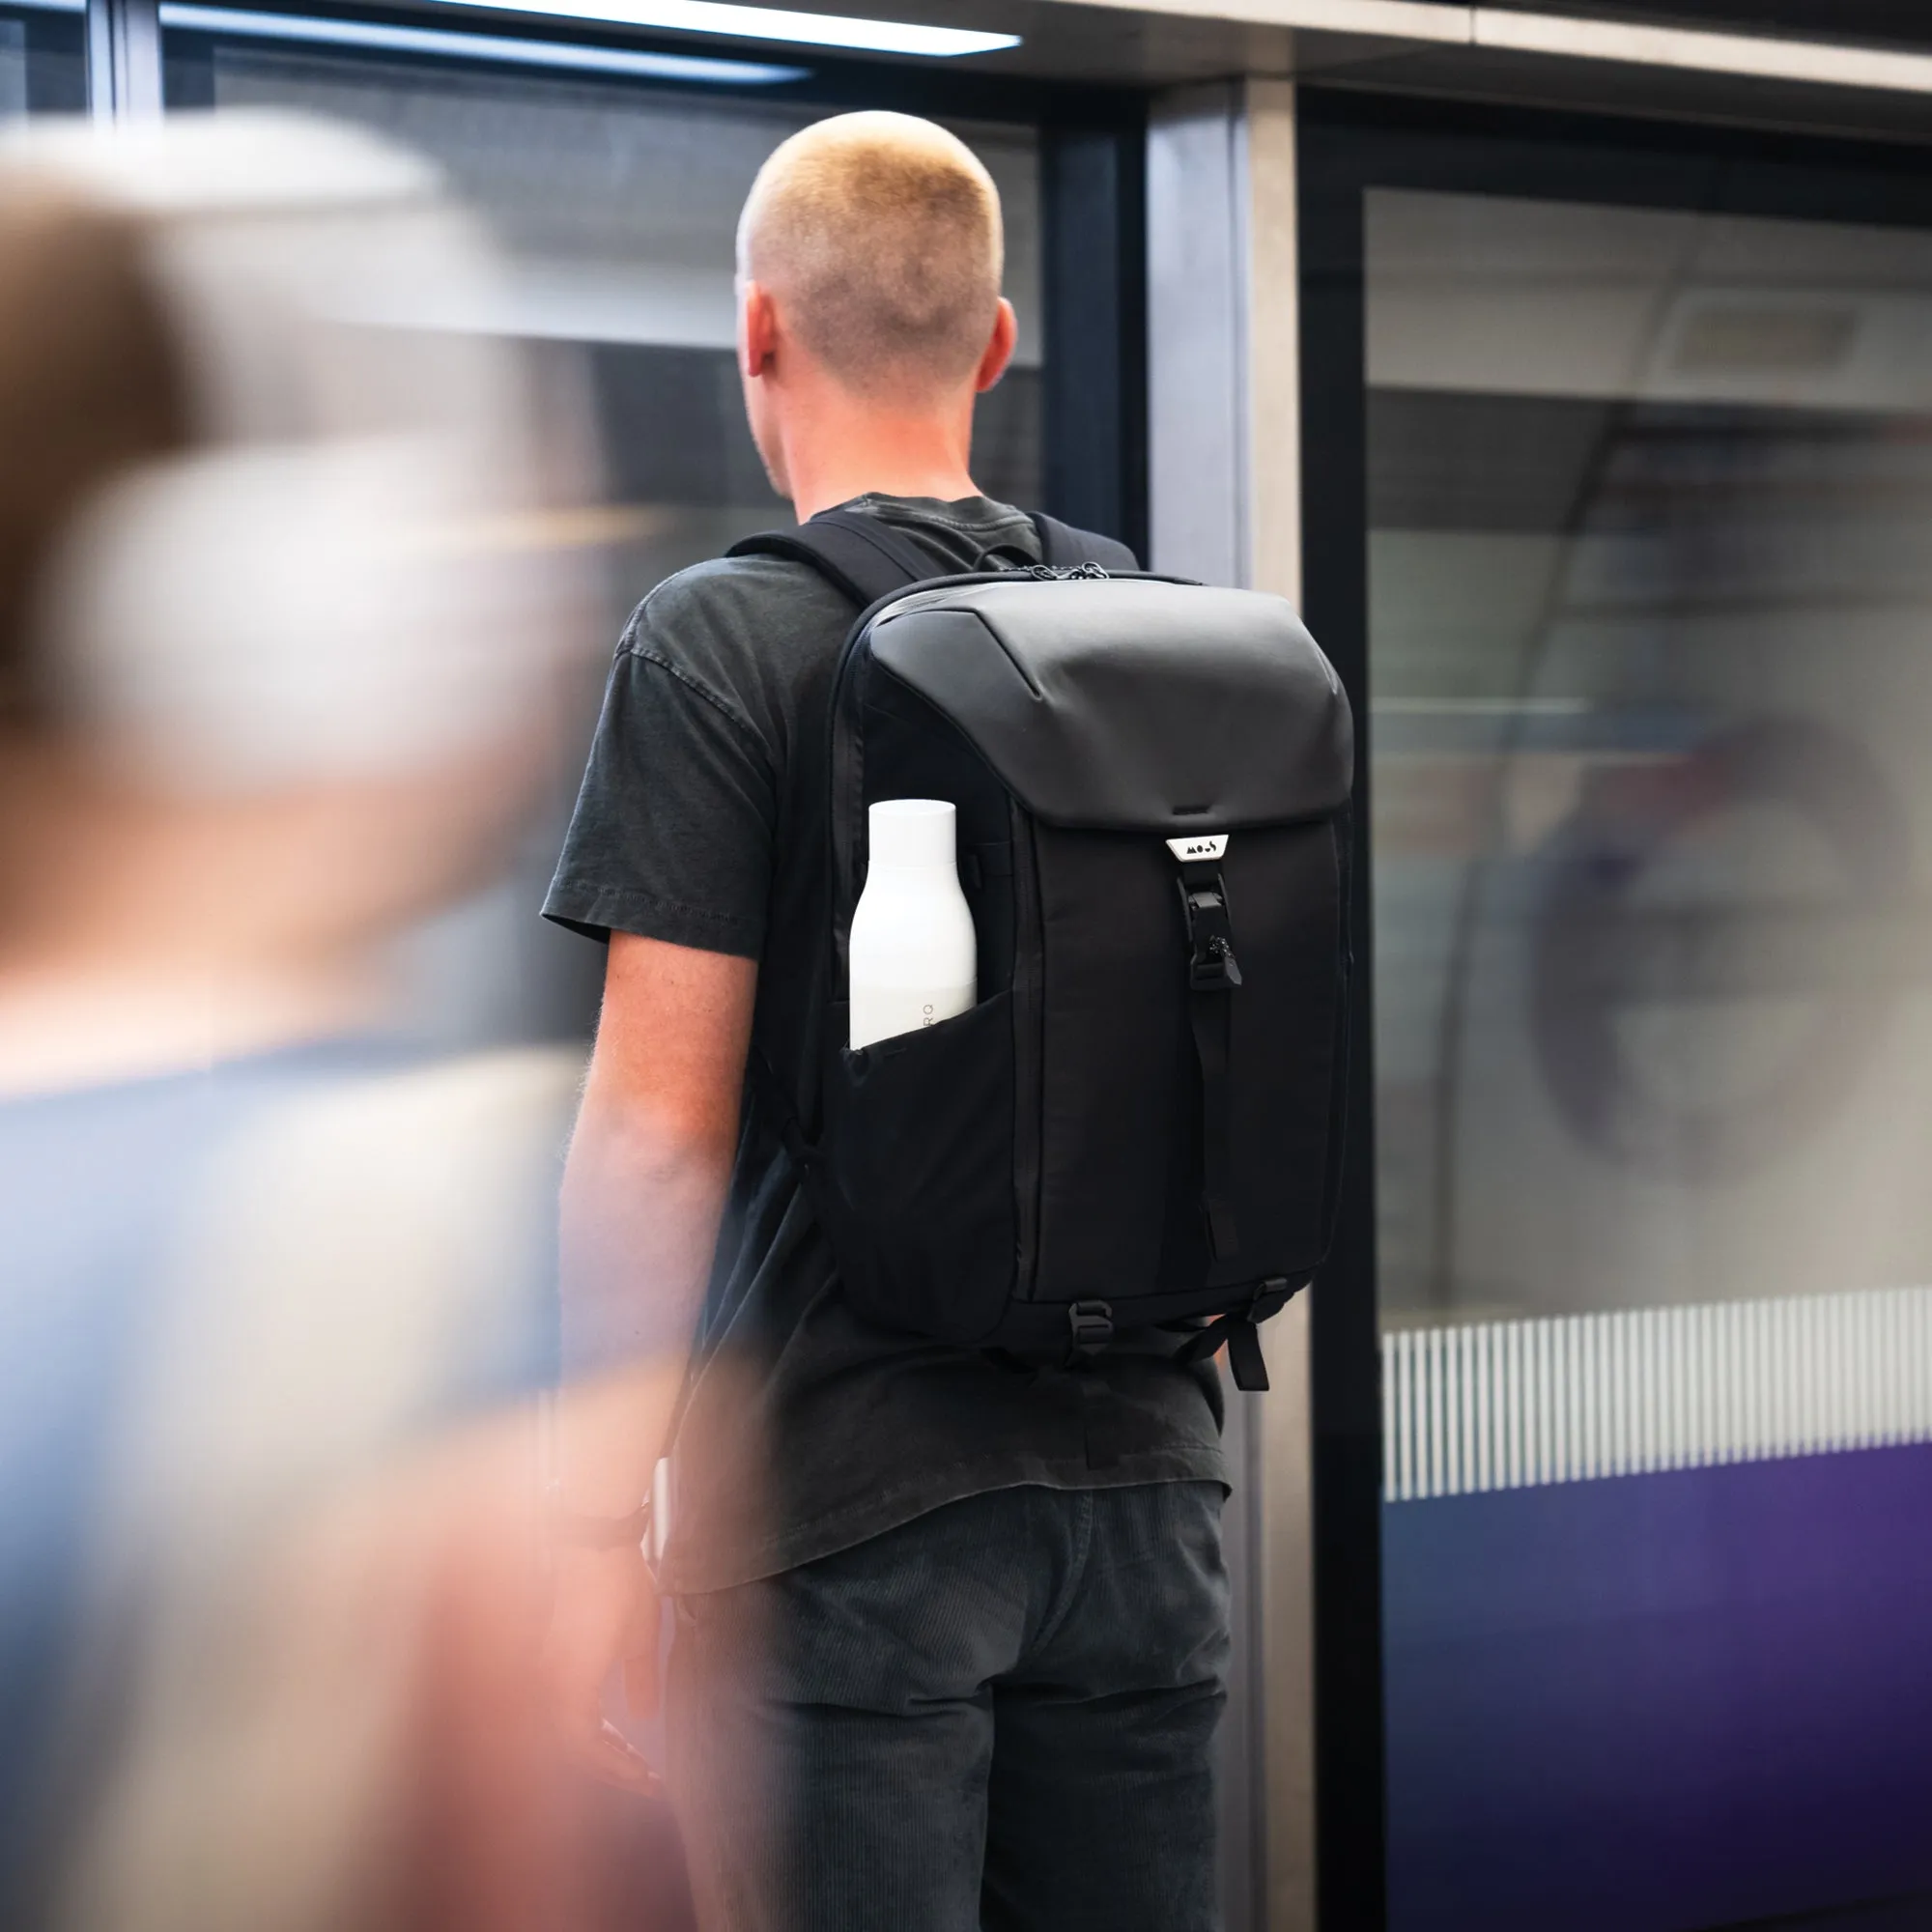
912, 951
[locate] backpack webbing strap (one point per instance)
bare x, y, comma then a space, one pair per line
1213, 976
862, 556
1212, 1020
1240, 1329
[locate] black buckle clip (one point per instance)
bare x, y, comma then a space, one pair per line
1271, 1298
1092, 1326
1211, 966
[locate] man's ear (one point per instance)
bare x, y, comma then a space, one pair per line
999, 347
757, 330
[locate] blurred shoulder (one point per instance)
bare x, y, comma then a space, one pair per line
375, 1240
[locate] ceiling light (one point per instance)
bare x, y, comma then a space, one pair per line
434, 41
766, 24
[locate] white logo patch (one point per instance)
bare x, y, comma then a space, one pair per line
1203, 845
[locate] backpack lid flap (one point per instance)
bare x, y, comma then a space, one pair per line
1131, 704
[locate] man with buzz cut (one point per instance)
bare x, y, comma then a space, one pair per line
951, 1633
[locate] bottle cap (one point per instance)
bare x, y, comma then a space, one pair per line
913, 832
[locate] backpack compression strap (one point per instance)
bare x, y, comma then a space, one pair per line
1240, 1329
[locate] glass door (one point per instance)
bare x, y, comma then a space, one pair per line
1646, 595
42, 58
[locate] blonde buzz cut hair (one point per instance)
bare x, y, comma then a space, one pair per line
879, 238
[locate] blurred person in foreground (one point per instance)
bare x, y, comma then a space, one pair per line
270, 1588
951, 1634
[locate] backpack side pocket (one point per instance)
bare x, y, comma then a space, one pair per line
917, 1171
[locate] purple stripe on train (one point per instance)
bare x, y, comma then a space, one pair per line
1660, 1702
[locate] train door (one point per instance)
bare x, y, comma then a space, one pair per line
1624, 529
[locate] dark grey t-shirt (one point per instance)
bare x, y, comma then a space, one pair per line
701, 821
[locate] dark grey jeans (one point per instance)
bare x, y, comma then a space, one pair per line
1001, 1715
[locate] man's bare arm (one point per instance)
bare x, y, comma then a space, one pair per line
644, 1190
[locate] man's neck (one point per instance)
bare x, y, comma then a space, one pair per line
834, 454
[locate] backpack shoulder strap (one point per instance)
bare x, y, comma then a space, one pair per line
862, 556
867, 558
1064, 547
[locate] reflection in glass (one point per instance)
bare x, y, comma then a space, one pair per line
1650, 580
1650, 589
12, 69
618, 206
42, 67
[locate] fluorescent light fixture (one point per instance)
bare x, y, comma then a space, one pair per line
432, 41
51, 6
1756, 56
766, 24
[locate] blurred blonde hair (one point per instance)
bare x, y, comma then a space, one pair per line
91, 387
880, 235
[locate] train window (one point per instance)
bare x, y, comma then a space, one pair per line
617, 204
42, 66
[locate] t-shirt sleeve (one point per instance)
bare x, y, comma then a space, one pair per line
672, 838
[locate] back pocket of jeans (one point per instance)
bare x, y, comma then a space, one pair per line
917, 1173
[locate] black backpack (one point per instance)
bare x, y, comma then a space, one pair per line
1139, 1124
